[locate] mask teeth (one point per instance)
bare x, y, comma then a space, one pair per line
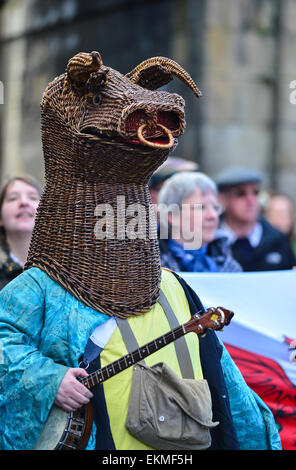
172, 66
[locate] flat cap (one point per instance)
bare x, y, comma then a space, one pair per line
237, 175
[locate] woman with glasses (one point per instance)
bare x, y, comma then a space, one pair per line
188, 210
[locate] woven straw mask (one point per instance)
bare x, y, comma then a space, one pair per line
103, 135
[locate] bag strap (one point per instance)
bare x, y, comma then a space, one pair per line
128, 335
180, 344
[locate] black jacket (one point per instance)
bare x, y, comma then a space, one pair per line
8, 268
274, 251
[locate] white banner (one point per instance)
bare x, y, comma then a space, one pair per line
264, 301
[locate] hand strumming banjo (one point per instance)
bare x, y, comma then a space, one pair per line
71, 430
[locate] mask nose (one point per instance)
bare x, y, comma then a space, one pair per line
169, 119
153, 126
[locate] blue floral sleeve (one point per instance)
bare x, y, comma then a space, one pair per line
253, 420
28, 379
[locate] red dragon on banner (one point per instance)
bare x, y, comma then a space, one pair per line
268, 379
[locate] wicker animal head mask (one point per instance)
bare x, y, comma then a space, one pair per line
103, 135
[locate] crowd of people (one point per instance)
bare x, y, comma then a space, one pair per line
239, 232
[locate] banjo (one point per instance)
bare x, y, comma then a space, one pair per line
65, 430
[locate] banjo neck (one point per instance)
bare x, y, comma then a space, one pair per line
213, 318
128, 360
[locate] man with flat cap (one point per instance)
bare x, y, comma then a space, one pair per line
255, 244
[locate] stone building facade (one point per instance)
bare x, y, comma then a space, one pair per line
240, 53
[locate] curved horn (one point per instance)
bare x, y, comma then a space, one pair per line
171, 66
82, 65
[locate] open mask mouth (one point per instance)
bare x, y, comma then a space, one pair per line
165, 140
140, 129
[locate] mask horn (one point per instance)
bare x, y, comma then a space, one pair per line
82, 65
158, 71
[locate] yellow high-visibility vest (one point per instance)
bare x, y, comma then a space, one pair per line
146, 328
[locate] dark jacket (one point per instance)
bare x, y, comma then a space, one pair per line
9, 269
274, 251
218, 249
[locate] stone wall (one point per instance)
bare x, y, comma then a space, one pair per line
248, 118
240, 52
240, 45
286, 152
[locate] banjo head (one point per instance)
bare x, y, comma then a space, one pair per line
53, 429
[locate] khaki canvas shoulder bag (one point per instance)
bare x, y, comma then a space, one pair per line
165, 411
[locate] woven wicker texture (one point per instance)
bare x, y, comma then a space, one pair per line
89, 118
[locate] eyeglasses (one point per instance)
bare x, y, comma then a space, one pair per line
218, 208
239, 193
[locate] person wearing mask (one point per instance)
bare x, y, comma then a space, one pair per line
255, 243
194, 195
19, 199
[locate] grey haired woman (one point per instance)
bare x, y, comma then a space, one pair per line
189, 238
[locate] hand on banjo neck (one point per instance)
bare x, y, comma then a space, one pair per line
72, 394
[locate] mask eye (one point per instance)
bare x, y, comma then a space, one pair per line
96, 99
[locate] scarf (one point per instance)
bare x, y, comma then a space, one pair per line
192, 260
